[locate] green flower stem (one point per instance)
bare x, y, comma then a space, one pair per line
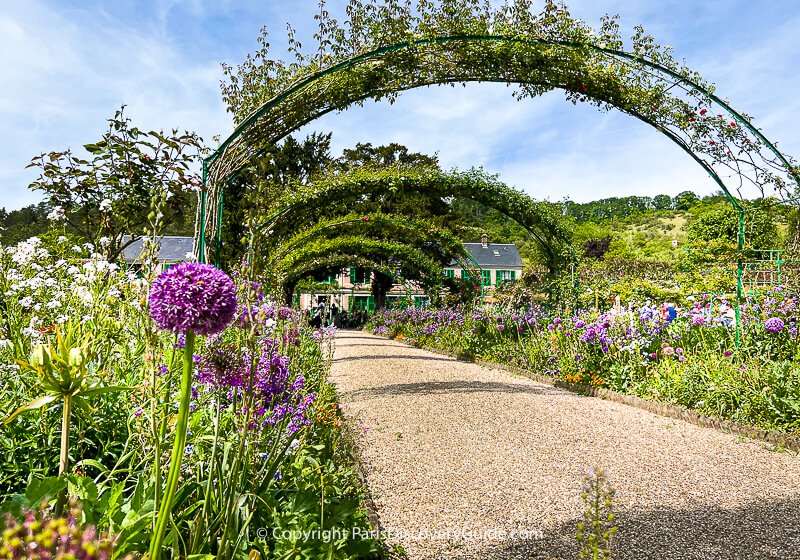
156, 437
165, 509
211, 469
63, 461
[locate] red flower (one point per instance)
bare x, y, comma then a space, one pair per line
733, 123
712, 142
703, 111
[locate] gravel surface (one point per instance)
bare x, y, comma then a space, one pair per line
468, 462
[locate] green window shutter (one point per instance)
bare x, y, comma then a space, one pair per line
513, 274
371, 303
352, 275
487, 277
464, 275
449, 272
498, 276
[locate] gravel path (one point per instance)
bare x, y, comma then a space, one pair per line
468, 462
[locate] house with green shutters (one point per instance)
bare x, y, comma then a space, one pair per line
352, 287
498, 262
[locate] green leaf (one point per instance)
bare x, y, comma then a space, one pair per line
33, 405
82, 487
95, 391
49, 487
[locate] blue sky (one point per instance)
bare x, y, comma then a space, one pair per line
68, 64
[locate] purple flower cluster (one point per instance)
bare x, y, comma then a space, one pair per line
284, 313
193, 297
774, 324
276, 396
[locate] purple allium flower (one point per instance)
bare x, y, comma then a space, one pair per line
727, 353
284, 313
679, 351
653, 356
579, 324
551, 327
193, 297
500, 327
698, 320
557, 320
773, 324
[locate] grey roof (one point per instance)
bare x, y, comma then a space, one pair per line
172, 248
494, 255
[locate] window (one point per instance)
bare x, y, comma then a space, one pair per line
361, 303
502, 275
420, 301
359, 275
464, 274
449, 273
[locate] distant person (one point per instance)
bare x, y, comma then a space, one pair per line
672, 313
321, 312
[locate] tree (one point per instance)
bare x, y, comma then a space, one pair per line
129, 180
251, 192
391, 155
720, 224
662, 202
19, 225
596, 248
684, 201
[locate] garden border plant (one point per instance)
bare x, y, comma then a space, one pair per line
686, 370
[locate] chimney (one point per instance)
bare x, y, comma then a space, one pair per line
485, 241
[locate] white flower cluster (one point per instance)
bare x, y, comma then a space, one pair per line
42, 289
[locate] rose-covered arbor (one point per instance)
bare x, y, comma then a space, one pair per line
386, 48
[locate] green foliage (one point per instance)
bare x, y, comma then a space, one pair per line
720, 225
392, 155
113, 191
376, 52
597, 529
309, 203
252, 189
22, 224
684, 200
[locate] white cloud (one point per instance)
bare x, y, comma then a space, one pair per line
69, 71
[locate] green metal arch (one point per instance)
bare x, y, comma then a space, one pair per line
548, 231
450, 244
343, 252
680, 79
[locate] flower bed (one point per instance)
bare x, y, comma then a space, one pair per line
691, 361
214, 416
